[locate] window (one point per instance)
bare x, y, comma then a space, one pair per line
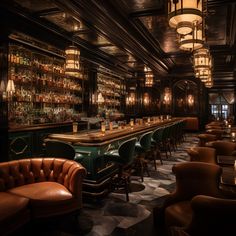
220, 111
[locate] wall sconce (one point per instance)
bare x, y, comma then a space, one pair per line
10, 88
167, 96
3, 90
190, 100
146, 99
130, 100
100, 98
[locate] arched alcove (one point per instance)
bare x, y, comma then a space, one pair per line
185, 98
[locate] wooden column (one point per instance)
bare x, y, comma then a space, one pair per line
3, 98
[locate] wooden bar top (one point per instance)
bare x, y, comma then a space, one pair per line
97, 138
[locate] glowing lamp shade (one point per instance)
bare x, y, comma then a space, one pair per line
193, 41
10, 86
202, 59
148, 77
209, 84
101, 99
203, 74
72, 61
183, 13
149, 80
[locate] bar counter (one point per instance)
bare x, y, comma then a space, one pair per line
91, 145
97, 138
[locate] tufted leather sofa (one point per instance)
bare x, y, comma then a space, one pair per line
38, 188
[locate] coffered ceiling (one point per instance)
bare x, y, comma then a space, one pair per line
126, 34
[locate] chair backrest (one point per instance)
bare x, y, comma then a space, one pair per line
204, 138
126, 150
197, 178
60, 149
157, 134
212, 216
146, 140
202, 154
223, 147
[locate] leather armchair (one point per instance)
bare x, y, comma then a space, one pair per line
223, 147
39, 188
204, 138
217, 132
211, 216
202, 154
192, 179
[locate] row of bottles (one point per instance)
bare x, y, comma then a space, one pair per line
27, 95
111, 88
43, 92
111, 92
23, 75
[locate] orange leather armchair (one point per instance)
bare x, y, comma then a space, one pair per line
38, 188
211, 216
217, 132
202, 154
223, 147
204, 138
192, 179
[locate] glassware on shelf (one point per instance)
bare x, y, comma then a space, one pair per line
43, 93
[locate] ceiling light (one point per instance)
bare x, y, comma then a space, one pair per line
72, 61
192, 41
202, 59
148, 77
183, 13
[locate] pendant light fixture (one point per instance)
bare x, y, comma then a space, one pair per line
72, 61
148, 76
192, 41
183, 13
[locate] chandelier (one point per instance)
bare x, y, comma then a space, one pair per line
183, 13
203, 75
72, 61
209, 83
148, 77
202, 63
192, 41
202, 59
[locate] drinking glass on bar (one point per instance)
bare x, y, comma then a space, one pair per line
75, 127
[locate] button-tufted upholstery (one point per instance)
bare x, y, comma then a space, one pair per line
47, 186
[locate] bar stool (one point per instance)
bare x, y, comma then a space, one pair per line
157, 144
123, 157
54, 148
143, 150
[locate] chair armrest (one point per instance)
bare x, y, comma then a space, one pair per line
212, 216
74, 175
178, 231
